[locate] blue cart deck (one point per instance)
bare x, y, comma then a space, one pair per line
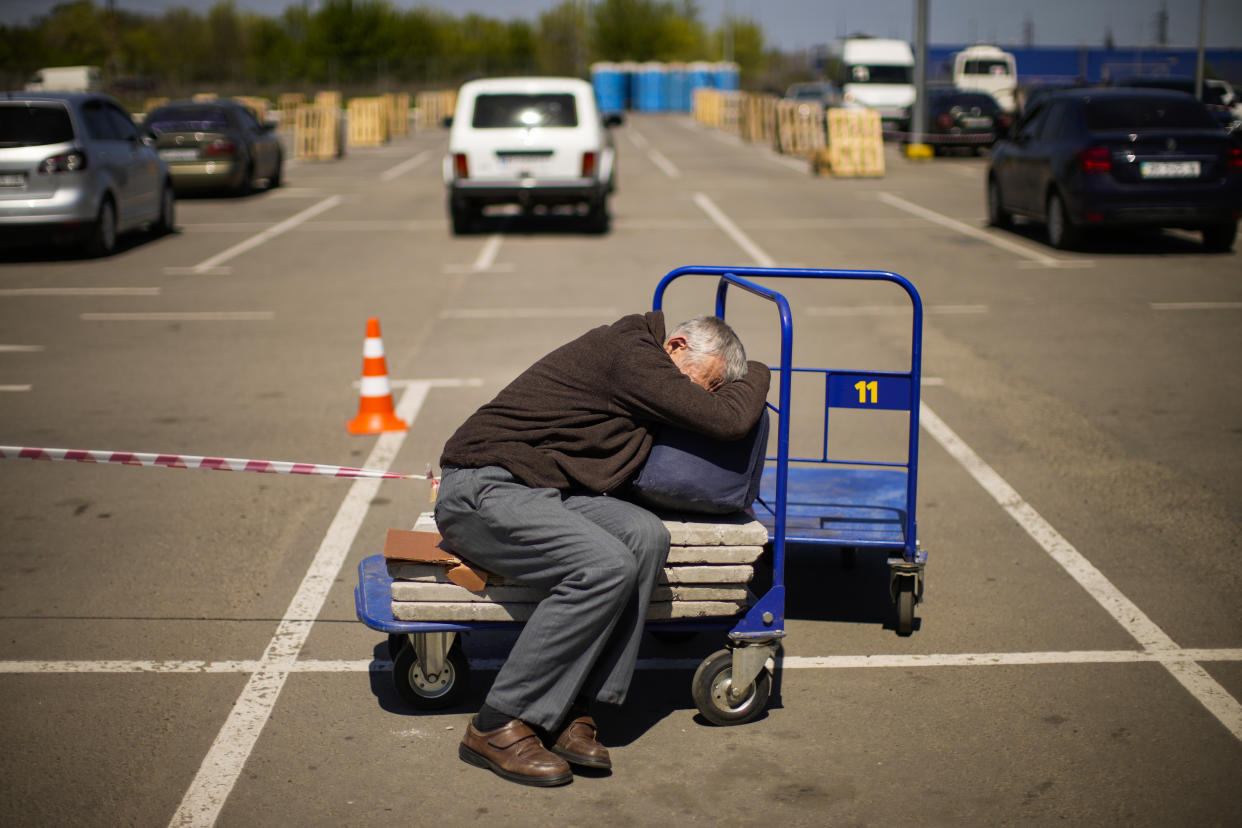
838, 506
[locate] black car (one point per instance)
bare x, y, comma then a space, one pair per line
961, 118
1212, 97
1109, 157
213, 144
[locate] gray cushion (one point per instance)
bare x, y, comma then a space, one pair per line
690, 472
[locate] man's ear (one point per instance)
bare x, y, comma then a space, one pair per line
674, 344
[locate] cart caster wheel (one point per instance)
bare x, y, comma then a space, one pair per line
715, 697
430, 692
905, 606
395, 642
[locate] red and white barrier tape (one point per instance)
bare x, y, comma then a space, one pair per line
183, 461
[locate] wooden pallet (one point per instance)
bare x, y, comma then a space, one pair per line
855, 143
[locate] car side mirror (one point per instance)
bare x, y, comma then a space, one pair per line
614, 119
447, 121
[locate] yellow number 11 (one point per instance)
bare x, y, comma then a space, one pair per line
863, 387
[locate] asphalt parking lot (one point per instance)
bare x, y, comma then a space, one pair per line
181, 648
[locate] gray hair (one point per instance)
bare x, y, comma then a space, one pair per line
708, 336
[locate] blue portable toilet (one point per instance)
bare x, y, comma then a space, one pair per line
651, 92
726, 75
610, 87
677, 99
629, 71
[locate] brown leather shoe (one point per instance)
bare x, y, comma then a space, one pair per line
577, 744
515, 753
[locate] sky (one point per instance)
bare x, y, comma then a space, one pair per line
799, 24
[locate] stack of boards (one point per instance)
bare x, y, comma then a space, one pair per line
710, 562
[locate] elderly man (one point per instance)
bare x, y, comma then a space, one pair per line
525, 493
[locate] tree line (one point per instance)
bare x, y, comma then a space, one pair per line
363, 44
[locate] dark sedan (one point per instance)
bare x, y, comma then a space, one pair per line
1095, 157
215, 144
958, 118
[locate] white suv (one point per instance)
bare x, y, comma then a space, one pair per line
531, 142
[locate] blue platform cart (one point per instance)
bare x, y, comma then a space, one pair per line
805, 501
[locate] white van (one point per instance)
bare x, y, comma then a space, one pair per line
537, 142
65, 79
987, 69
876, 73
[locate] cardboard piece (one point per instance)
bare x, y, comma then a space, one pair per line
430, 548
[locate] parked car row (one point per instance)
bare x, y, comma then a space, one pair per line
75, 168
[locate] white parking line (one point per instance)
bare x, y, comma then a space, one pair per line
181, 316
1040, 259
1181, 306
81, 291
486, 260
835, 662
405, 166
20, 349
726, 224
210, 264
636, 138
16, 388
667, 167
1150, 637
228, 754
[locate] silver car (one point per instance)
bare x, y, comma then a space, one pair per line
75, 165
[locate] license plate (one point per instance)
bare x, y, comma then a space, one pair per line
179, 154
17, 181
976, 123
1169, 169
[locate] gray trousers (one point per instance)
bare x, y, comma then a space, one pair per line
599, 559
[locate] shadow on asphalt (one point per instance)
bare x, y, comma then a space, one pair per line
1113, 242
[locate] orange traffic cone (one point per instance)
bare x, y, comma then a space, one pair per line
375, 408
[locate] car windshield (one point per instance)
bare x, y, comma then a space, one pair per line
880, 74
505, 111
986, 67
1147, 112
188, 119
23, 125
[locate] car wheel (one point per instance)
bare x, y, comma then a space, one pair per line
246, 185
275, 179
1219, 238
101, 240
598, 218
997, 215
1063, 234
167, 221
462, 218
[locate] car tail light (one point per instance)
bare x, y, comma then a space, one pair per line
1004, 121
1096, 160
1233, 161
588, 164
65, 162
944, 120
219, 148
461, 168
